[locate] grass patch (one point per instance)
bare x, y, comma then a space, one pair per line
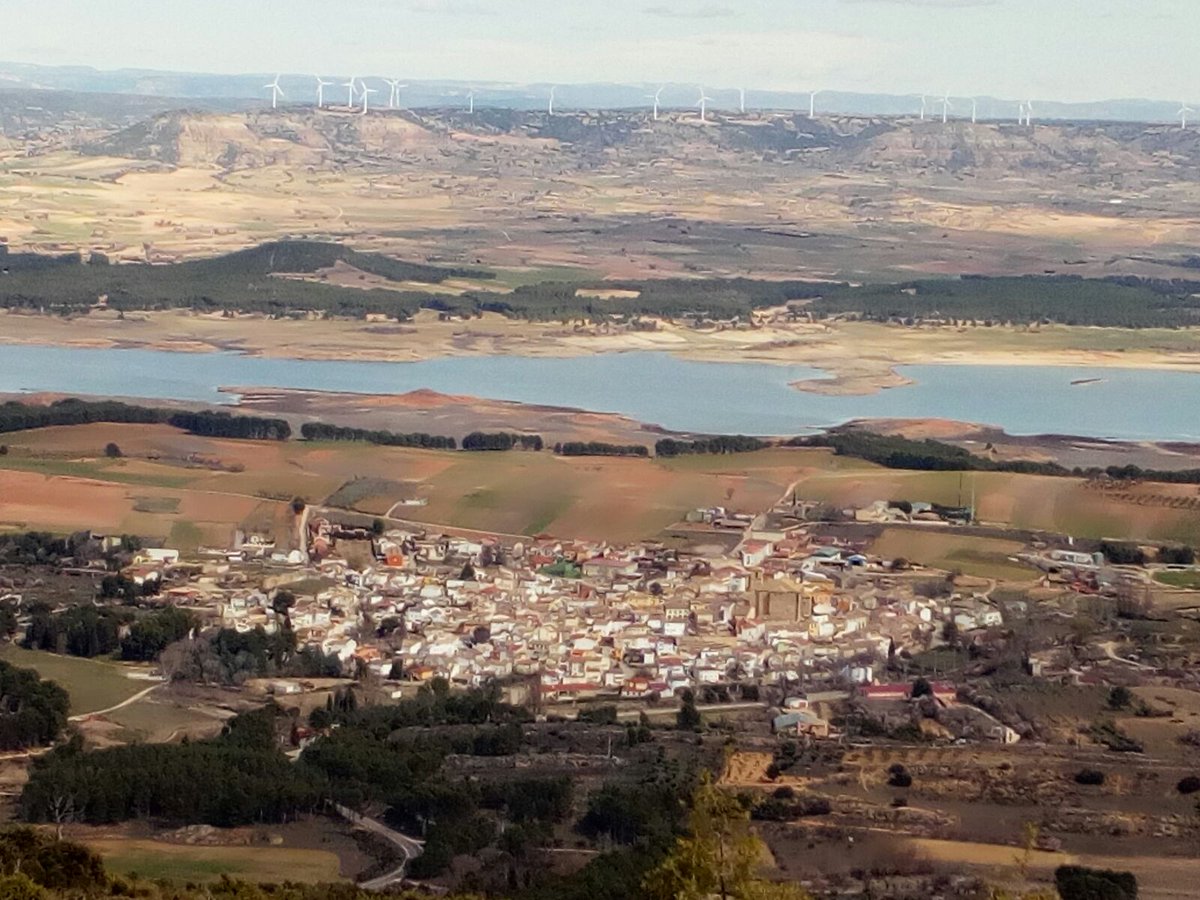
181, 863
92, 684
100, 471
159, 505
982, 557
150, 720
185, 536
481, 499
555, 507
1189, 579
356, 490
515, 278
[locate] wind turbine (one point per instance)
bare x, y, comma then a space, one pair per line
946, 104
655, 97
321, 85
1184, 109
922, 107
276, 91
366, 94
1029, 113
470, 103
742, 100
394, 86
550, 107
812, 104
974, 109
349, 85
703, 103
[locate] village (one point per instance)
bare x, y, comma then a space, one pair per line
793, 612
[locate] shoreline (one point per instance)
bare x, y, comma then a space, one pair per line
458, 414
851, 359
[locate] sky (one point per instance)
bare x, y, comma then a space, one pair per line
1071, 50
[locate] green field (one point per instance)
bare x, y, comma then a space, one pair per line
1034, 502
100, 469
182, 863
1189, 579
151, 721
516, 492
92, 684
604, 498
982, 557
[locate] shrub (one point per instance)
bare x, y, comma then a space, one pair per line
1082, 883
112, 451
1112, 737
1089, 776
1119, 697
898, 776
598, 715
1188, 785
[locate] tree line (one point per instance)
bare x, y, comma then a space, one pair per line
33, 548
501, 440
895, 452
731, 443
229, 657
599, 448
244, 282
1119, 302
238, 778
33, 712
323, 431
222, 424
16, 416
90, 631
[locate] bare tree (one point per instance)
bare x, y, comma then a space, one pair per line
61, 808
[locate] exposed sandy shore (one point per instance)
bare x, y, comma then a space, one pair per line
858, 358
437, 413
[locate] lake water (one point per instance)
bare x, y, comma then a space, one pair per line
658, 388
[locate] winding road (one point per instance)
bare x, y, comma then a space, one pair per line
410, 847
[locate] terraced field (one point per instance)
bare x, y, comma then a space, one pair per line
191, 490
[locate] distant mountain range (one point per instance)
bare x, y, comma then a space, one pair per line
233, 91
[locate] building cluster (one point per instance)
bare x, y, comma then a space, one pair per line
577, 620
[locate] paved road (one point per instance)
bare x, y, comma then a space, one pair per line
410, 847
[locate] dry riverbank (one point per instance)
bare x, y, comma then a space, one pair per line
860, 358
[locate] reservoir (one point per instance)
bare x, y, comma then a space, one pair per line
657, 388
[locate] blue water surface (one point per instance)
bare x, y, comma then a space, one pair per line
657, 388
